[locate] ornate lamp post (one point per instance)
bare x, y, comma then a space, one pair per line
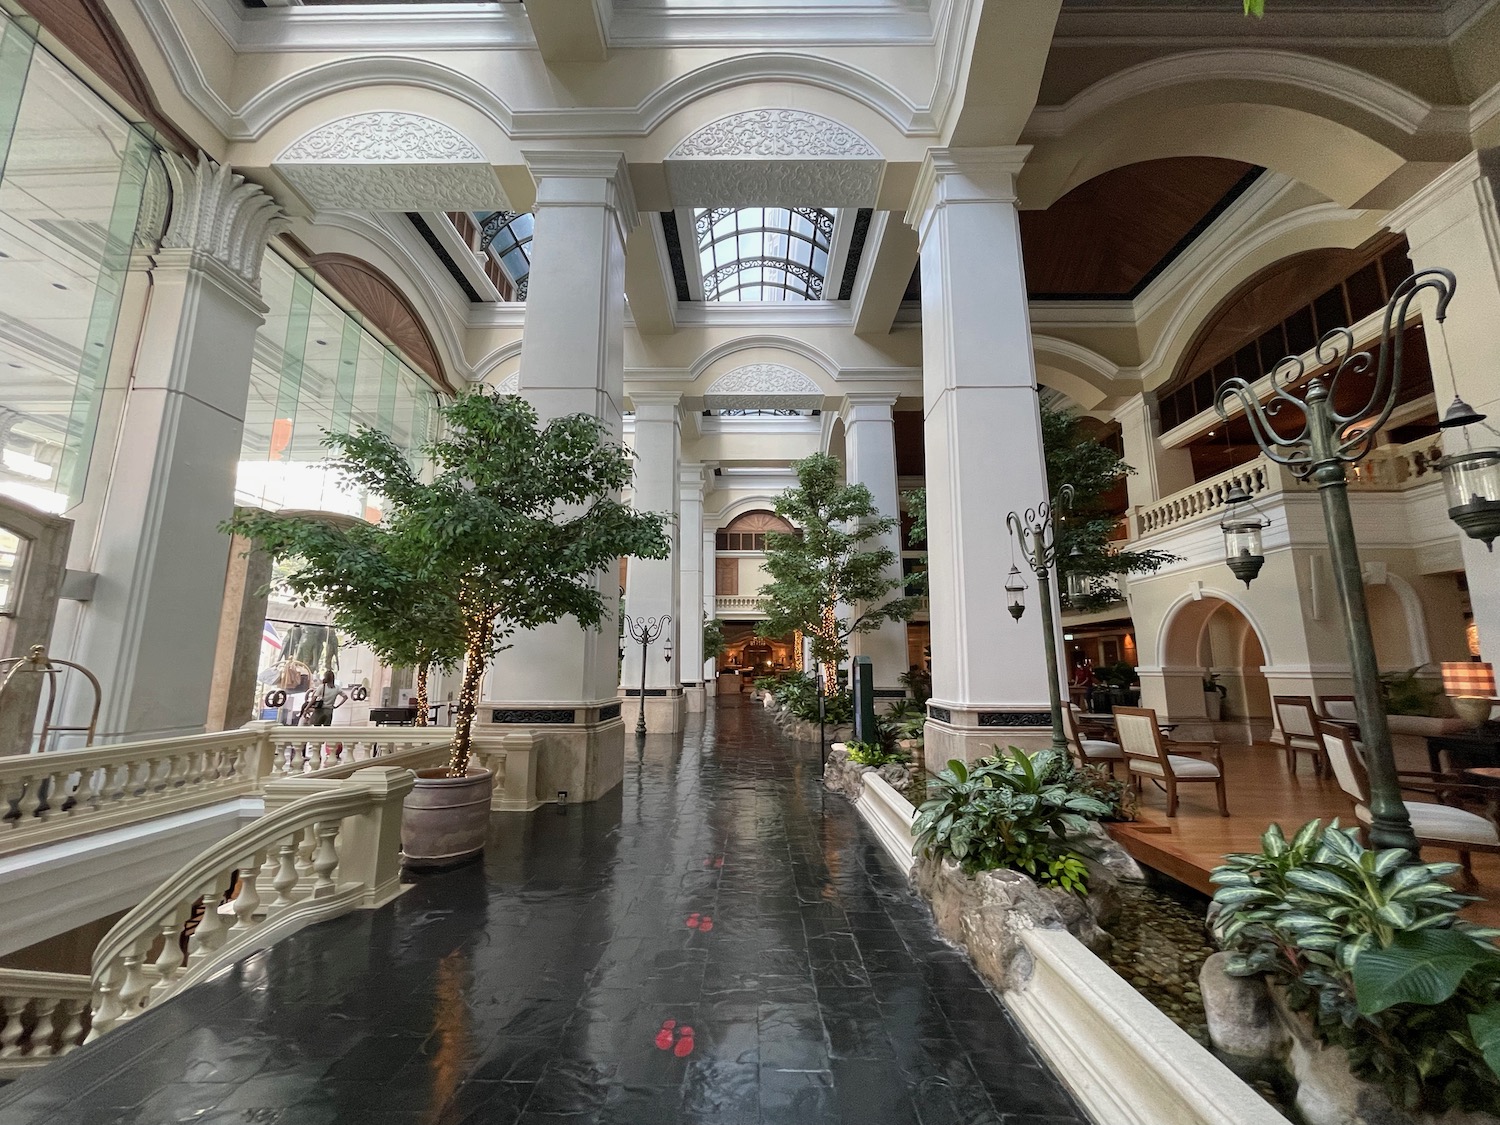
1329, 440
645, 632
1037, 536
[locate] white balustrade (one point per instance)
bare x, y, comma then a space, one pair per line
43, 1016
1209, 498
738, 602
307, 860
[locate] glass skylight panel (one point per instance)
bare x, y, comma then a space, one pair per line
763, 253
508, 234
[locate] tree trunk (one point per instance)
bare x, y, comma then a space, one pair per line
468, 701
422, 695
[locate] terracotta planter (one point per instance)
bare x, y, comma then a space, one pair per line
445, 819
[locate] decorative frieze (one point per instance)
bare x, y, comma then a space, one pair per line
763, 386
771, 133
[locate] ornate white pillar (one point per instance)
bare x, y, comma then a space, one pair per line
690, 599
984, 452
151, 631
652, 585
1453, 222
710, 602
870, 460
562, 677
1158, 471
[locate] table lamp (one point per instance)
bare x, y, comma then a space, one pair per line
1471, 686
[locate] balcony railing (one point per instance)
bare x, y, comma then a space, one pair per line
1392, 468
738, 603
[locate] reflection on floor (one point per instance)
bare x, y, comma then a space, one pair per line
1188, 846
716, 941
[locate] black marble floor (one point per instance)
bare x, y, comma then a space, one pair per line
716, 941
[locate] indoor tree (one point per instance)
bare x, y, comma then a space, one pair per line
377, 583
518, 522
832, 560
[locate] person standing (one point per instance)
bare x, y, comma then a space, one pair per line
322, 699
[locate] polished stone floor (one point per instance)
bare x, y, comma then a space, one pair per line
716, 941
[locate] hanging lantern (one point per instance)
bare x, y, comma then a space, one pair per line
1242, 529
1471, 480
1015, 593
1075, 588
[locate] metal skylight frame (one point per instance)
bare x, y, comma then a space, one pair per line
778, 254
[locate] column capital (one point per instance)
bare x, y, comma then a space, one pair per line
965, 175
657, 406
586, 178
691, 477
1134, 408
867, 406
219, 214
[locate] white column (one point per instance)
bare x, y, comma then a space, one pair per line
984, 452
710, 601
572, 361
151, 631
1158, 471
652, 585
690, 599
1453, 222
870, 460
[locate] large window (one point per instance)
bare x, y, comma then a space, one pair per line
70, 194
317, 369
763, 253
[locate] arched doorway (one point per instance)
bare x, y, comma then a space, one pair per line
1211, 640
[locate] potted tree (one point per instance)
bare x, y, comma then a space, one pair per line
512, 528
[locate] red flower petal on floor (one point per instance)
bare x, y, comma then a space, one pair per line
692, 921
664, 1036
705, 925
684, 1046
719, 862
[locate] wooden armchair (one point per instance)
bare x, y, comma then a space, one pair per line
1089, 751
1297, 727
1339, 708
1147, 754
1437, 825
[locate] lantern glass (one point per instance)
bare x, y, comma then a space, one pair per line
1471, 477
1472, 481
1015, 593
1242, 539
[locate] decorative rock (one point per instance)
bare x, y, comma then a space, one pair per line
1241, 1020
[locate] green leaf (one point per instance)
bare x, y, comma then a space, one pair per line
1484, 1025
1319, 881
1416, 968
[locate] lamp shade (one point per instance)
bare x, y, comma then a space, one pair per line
1468, 678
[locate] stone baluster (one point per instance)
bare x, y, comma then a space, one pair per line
45, 1030
13, 1008
31, 800
71, 1012
135, 988
325, 858
306, 843
107, 1006
285, 879
168, 964
211, 929
247, 902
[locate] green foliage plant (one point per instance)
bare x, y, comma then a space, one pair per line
1013, 810
713, 638
874, 754
918, 681
1369, 946
513, 527
1406, 694
834, 560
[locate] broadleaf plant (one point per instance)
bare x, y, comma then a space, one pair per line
514, 527
1013, 810
1369, 946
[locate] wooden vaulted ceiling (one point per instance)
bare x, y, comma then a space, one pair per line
1107, 238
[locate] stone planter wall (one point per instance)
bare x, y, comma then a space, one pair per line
1249, 1019
848, 778
800, 730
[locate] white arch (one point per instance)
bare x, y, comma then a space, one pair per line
1411, 608
488, 363
1347, 85
1169, 619
820, 359
736, 508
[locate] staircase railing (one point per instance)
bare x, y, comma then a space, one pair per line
333, 846
65, 793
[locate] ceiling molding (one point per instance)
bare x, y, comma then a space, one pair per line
366, 27
1327, 22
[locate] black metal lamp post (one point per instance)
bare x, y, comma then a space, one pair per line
1328, 441
645, 631
1037, 537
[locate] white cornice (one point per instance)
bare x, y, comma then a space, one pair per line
809, 23
1354, 23
790, 315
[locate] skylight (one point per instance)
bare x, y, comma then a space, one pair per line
508, 236
763, 253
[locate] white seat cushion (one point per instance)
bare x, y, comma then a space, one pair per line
1092, 748
1181, 766
1441, 822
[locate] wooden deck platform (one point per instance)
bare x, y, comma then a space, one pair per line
1261, 792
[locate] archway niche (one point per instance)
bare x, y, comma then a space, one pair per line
1211, 636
